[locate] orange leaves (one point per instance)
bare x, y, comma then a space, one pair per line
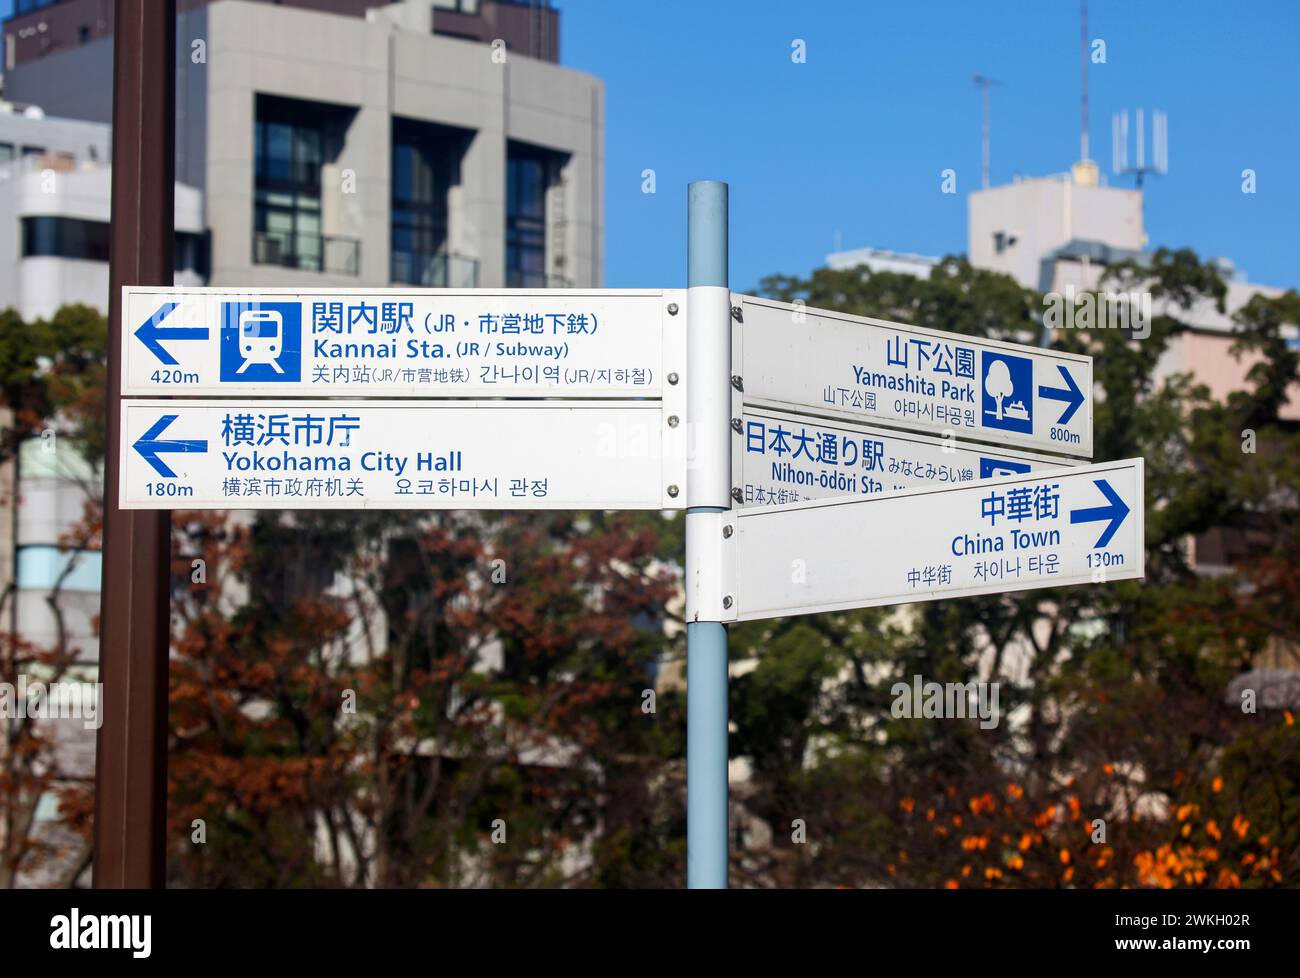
1228, 880
907, 804
1216, 785
1240, 825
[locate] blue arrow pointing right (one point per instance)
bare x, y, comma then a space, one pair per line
1070, 394
151, 331
150, 445
1115, 512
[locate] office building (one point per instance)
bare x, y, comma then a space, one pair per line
360, 144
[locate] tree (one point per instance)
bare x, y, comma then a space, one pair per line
1118, 690
51, 388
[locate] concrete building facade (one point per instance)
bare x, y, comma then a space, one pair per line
371, 145
55, 187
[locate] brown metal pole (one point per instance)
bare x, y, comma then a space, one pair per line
131, 760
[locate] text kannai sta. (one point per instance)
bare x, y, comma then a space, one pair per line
421, 349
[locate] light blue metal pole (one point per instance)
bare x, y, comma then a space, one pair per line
708, 491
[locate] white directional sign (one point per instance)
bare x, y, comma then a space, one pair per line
787, 458
1044, 529
402, 343
400, 455
829, 363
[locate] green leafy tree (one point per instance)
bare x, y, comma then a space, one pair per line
1113, 695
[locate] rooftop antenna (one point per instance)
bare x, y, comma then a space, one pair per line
1085, 171
1083, 72
1159, 163
983, 84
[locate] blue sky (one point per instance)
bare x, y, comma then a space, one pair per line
854, 140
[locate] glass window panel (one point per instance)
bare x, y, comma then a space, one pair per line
279, 222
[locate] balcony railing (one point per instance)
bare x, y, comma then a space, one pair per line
308, 252
434, 271
516, 279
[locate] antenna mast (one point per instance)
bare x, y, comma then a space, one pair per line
983, 84
1119, 131
1083, 72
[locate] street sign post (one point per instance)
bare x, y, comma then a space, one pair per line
1042, 529
843, 496
812, 361
400, 455
130, 843
401, 343
788, 458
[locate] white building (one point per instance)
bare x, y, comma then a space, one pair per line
54, 218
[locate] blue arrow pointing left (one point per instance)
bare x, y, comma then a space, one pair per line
1115, 512
151, 331
150, 445
1070, 394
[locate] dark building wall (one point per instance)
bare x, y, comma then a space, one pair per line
67, 22
74, 84
531, 29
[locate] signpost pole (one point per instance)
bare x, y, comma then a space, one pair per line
708, 493
131, 758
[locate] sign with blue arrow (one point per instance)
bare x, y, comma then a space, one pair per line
1039, 529
1070, 394
1112, 514
152, 333
451, 454
150, 446
832, 365
419, 343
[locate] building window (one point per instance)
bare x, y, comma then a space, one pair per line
293, 140
30, 151
287, 213
83, 34
426, 165
458, 6
527, 179
6, 152
71, 237
65, 237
